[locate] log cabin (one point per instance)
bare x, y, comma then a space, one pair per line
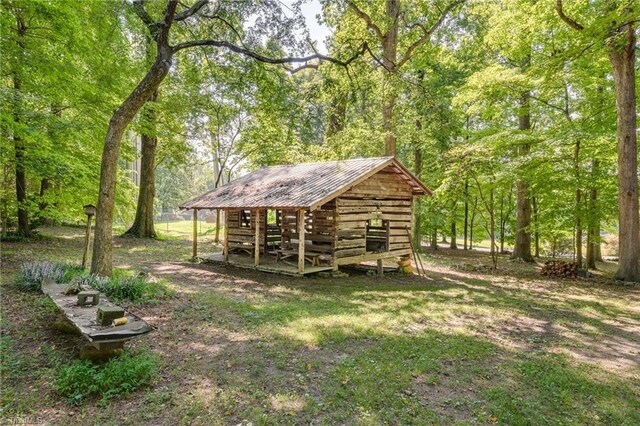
305, 218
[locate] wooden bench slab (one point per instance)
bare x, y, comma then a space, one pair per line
84, 318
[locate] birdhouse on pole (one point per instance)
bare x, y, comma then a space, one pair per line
90, 210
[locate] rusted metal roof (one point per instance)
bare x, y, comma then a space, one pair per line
299, 185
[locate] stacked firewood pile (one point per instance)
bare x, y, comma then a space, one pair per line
560, 269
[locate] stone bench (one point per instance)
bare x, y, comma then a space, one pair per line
105, 340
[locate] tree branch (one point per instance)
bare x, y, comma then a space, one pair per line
169, 15
191, 11
427, 33
366, 18
569, 21
302, 67
138, 8
267, 59
549, 104
226, 23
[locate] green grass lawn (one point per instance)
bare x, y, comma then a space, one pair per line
460, 346
184, 228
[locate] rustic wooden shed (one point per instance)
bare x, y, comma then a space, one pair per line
317, 215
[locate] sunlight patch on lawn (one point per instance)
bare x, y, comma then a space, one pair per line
334, 328
137, 249
287, 402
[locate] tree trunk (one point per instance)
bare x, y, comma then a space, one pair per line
417, 228
389, 57
337, 116
578, 242
18, 143
143, 225
21, 179
101, 262
492, 228
593, 239
466, 212
434, 238
45, 182
492, 233
598, 247
473, 219
454, 239
522, 246
591, 260
45, 185
502, 221
536, 234
623, 63
218, 169
4, 204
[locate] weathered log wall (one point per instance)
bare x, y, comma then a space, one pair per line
383, 197
243, 237
378, 209
319, 229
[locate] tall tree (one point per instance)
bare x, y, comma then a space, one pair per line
160, 31
143, 224
54, 92
409, 26
522, 245
18, 142
618, 31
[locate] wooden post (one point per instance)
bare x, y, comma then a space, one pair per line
380, 268
195, 233
257, 240
301, 241
217, 237
335, 237
226, 236
87, 238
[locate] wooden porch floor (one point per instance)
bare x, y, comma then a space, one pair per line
267, 264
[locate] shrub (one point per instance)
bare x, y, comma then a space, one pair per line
127, 288
94, 281
33, 274
119, 376
117, 288
120, 287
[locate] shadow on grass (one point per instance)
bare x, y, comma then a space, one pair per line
278, 300
244, 346
431, 378
384, 351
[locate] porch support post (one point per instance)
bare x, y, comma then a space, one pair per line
195, 233
257, 240
301, 241
226, 236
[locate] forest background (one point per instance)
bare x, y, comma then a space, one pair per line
519, 114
